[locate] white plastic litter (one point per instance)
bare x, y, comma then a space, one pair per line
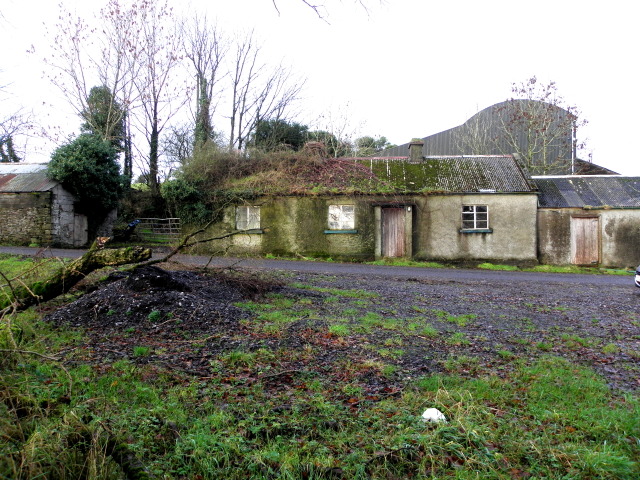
433, 415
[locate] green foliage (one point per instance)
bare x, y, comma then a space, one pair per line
187, 200
336, 147
7, 152
104, 117
88, 168
367, 145
278, 134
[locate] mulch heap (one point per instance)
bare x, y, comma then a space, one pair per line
173, 313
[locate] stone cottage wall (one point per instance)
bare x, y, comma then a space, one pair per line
25, 218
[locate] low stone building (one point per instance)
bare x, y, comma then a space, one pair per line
450, 208
589, 220
35, 210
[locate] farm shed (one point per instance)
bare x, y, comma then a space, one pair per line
452, 208
589, 220
488, 132
35, 210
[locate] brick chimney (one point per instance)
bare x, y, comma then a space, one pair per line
415, 150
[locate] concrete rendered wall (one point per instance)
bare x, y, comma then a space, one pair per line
512, 219
25, 218
297, 225
619, 235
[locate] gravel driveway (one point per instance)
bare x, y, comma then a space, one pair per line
468, 322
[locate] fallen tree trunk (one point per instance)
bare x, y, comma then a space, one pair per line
61, 282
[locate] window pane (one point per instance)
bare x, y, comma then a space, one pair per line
253, 218
341, 217
247, 217
475, 216
241, 218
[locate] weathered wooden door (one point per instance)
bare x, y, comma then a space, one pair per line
393, 232
585, 245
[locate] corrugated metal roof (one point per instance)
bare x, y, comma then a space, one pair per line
464, 174
588, 190
24, 177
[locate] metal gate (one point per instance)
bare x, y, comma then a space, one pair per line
159, 230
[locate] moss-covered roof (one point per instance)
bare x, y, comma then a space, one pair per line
393, 175
452, 174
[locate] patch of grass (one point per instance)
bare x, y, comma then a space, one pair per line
429, 331
406, 263
506, 354
348, 293
491, 266
575, 342
544, 346
154, 316
339, 330
460, 320
458, 339
239, 358
610, 348
141, 351
462, 364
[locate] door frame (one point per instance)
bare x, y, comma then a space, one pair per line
408, 228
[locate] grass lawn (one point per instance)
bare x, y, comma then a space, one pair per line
63, 415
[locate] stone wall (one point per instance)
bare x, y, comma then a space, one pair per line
25, 218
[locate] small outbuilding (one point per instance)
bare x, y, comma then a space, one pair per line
36, 210
589, 220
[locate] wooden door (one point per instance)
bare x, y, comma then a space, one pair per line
585, 245
393, 232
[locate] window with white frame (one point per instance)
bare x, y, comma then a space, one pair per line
342, 217
475, 217
247, 217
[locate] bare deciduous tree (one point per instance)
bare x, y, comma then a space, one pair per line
536, 124
257, 91
541, 127
205, 48
160, 96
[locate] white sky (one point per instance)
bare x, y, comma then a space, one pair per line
405, 68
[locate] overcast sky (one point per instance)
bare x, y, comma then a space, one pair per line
402, 68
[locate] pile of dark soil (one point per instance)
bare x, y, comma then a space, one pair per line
168, 311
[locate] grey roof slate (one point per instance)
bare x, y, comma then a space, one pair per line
588, 190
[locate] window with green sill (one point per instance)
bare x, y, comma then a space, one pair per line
475, 217
342, 217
